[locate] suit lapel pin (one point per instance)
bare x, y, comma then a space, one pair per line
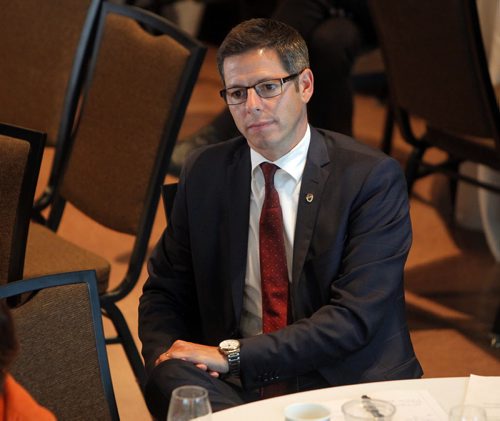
309, 197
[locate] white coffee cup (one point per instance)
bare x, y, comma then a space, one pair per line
307, 412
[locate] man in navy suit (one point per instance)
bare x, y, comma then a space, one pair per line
346, 232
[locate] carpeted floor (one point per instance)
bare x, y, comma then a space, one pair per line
452, 281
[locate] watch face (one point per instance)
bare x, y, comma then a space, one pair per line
229, 345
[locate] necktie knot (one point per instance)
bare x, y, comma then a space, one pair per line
268, 170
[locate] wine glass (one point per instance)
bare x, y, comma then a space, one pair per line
467, 413
188, 403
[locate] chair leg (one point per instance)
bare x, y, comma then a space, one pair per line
453, 186
388, 131
125, 338
412, 167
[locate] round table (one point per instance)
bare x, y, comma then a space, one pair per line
447, 392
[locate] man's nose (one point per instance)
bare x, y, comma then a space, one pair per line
254, 101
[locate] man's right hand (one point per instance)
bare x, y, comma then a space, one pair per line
206, 358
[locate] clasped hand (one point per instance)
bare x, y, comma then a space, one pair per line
206, 358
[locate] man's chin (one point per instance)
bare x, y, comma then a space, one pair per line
260, 142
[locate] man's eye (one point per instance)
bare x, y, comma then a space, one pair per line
236, 94
269, 86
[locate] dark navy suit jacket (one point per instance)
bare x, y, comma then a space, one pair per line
350, 247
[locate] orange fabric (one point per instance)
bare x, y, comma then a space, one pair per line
16, 404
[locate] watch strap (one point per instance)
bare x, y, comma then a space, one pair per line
233, 360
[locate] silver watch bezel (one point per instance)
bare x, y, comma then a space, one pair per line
229, 345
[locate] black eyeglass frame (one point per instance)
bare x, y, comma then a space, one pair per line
282, 81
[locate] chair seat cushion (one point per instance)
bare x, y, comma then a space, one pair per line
48, 253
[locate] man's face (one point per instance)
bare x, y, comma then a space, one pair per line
272, 126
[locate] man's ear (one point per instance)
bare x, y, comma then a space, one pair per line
306, 84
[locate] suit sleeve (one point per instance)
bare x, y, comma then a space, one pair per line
168, 307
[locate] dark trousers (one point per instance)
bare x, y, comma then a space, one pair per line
223, 394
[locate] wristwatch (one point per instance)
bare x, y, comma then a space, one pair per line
231, 349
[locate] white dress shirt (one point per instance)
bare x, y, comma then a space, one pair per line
287, 180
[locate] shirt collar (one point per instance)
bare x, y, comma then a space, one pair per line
292, 163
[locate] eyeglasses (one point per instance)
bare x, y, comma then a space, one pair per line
266, 89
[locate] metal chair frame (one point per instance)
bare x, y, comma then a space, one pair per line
168, 192
37, 142
70, 108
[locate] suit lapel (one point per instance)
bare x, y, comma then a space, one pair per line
315, 175
238, 203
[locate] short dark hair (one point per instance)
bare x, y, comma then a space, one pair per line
265, 33
8, 342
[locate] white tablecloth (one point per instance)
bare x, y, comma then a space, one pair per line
446, 391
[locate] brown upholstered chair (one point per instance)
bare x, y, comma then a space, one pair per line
437, 70
134, 102
44, 47
70, 377
20, 156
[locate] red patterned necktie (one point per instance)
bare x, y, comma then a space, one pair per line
273, 268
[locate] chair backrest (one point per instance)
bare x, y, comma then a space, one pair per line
134, 102
436, 65
43, 48
21, 153
62, 360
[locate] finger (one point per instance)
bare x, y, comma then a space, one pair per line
201, 366
163, 357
